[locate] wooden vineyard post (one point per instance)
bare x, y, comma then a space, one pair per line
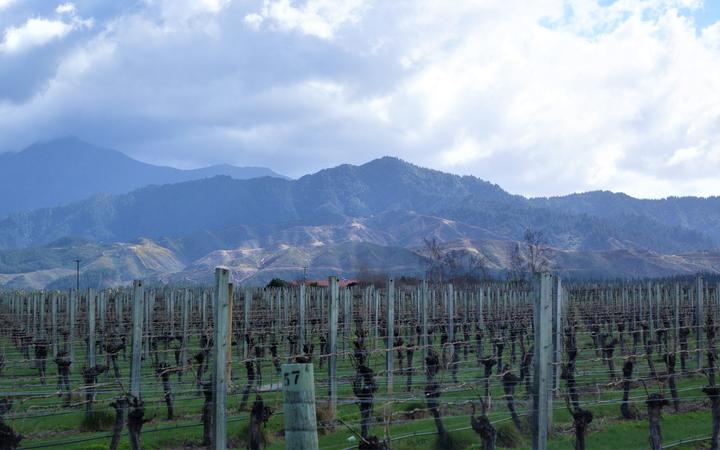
299, 407
228, 337
170, 303
219, 381
203, 311
651, 321
301, 316
101, 321
53, 324
389, 362
247, 303
376, 308
451, 318
424, 313
699, 321
119, 313
542, 317
32, 316
658, 306
148, 312
185, 327
41, 313
676, 330
90, 303
332, 348
71, 325
137, 327
480, 313
558, 333
717, 302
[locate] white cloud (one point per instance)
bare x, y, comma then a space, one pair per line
38, 31
541, 97
253, 20
5, 3
182, 11
65, 8
33, 33
319, 18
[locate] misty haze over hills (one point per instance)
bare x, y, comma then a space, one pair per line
369, 218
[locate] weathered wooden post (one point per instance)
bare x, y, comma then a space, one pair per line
542, 317
71, 325
451, 318
247, 303
53, 325
119, 313
229, 334
102, 305
90, 303
332, 348
32, 314
170, 304
699, 320
220, 315
203, 311
676, 330
651, 321
376, 301
347, 320
558, 332
185, 328
299, 407
389, 362
137, 327
42, 316
301, 315
148, 315
424, 312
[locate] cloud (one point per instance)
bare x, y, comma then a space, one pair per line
319, 18
542, 97
253, 20
38, 31
32, 33
65, 8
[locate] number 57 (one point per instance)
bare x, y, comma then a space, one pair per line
286, 375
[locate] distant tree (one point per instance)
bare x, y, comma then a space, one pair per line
531, 256
455, 266
517, 270
369, 277
436, 256
538, 251
278, 283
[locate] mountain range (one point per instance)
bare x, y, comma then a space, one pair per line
344, 220
65, 170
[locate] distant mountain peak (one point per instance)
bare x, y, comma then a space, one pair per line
67, 169
389, 162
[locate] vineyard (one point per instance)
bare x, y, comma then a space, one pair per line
538, 364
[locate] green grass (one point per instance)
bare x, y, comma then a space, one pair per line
39, 415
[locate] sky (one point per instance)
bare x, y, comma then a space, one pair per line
542, 97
